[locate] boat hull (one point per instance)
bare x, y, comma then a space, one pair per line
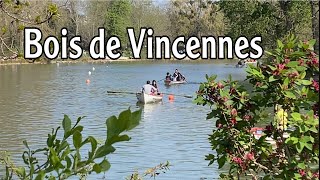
147, 98
169, 83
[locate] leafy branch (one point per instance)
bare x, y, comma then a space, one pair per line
63, 157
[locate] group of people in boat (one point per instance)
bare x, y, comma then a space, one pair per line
177, 76
242, 63
150, 88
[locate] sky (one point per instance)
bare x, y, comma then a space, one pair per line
161, 2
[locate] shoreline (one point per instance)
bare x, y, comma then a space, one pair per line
20, 61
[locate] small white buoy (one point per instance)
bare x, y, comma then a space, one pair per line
89, 73
93, 69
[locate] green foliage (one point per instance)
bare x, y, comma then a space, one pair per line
288, 84
196, 18
271, 19
118, 19
63, 159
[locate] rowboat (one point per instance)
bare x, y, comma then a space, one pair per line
168, 82
148, 98
246, 63
258, 132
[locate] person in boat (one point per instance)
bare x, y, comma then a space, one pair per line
177, 76
169, 77
154, 84
148, 88
241, 63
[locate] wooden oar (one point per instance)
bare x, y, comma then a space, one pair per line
120, 92
194, 83
161, 79
125, 92
186, 96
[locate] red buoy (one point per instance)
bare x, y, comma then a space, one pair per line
171, 97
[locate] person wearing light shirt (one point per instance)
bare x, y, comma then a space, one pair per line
148, 88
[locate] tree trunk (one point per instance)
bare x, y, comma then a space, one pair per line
315, 23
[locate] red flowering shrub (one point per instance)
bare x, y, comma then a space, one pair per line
289, 146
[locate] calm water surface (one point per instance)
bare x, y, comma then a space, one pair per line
34, 98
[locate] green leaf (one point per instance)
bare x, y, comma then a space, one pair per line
40, 175
305, 82
115, 139
271, 79
292, 140
300, 146
93, 142
292, 64
210, 115
103, 151
280, 44
289, 94
297, 176
96, 168
296, 116
105, 165
69, 162
21, 171
312, 42
286, 81
313, 129
135, 119
297, 54
308, 146
222, 161
66, 123
210, 158
303, 128
78, 128
77, 139
26, 144
301, 69
54, 159
272, 67
301, 165
116, 126
307, 139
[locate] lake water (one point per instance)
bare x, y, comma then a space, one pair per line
34, 98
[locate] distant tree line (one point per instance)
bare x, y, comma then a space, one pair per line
271, 19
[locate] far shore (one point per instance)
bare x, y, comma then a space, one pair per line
18, 61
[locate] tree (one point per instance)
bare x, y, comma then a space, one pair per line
15, 15
118, 19
271, 19
315, 22
196, 18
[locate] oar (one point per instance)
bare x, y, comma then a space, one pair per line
186, 96
161, 79
120, 92
194, 83
125, 92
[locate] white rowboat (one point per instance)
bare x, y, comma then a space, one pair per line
148, 98
168, 82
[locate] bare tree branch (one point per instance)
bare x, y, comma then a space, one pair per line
50, 15
7, 46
